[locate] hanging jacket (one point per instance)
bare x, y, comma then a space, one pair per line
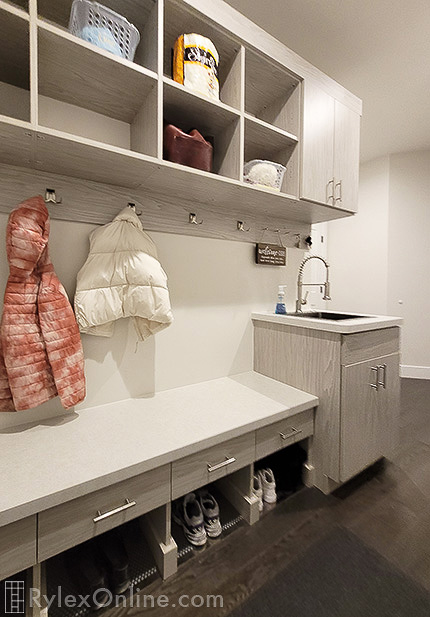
122, 277
40, 347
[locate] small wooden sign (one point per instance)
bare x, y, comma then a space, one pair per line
271, 254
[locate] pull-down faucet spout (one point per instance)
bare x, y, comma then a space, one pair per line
300, 301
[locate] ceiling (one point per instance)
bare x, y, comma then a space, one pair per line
377, 49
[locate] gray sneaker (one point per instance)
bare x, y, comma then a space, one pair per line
210, 511
188, 513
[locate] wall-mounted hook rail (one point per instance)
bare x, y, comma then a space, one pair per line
51, 197
133, 207
192, 219
241, 226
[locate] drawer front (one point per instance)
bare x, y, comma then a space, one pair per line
284, 433
198, 469
17, 546
78, 520
367, 345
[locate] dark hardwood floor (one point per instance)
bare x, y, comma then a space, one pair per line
387, 507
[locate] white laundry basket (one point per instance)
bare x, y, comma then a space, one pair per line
264, 173
86, 14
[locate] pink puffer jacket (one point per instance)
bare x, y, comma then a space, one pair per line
40, 347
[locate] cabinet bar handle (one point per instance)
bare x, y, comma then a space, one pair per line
294, 431
383, 383
228, 461
375, 384
328, 197
338, 184
100, 517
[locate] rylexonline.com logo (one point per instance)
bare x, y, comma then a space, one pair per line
104, 597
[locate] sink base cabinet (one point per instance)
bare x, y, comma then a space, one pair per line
355, 423
370, 413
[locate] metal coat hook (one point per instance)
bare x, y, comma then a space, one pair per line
241, 226
133, 207
193, 219
51, 197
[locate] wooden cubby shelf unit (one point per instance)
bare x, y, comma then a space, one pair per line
14, 62
75, 111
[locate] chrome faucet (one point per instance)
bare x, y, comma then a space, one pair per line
300, 301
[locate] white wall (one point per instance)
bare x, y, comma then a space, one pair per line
409, 256
358, 246
380, 258
214, 287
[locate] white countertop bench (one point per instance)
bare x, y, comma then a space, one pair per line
52, 462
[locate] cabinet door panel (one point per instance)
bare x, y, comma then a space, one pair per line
369, 416
346, 156
318, 145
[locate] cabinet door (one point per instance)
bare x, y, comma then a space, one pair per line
369, 416
317, 146
346, 156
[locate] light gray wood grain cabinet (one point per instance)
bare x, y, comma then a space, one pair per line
330, 150
355, 376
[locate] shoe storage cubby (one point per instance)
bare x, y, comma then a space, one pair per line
72, 570
230, 520
288, 467
14, 63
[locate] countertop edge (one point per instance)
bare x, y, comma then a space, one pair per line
364, 324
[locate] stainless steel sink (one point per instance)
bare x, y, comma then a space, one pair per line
329, 316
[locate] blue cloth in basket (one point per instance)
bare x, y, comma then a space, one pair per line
103, 38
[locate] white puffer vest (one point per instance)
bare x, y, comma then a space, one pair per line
122, 277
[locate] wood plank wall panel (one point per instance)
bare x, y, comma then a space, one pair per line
309, 360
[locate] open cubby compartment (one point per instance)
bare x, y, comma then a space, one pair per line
263, 141
180, 19
289, 468
75, 95
187, 110
272, 93
14, 64
141, 13
230, 518
15, 594
138, 538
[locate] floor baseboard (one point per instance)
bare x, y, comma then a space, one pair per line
415, 372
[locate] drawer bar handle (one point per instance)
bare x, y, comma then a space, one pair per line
228, 461
100, 517
294, 431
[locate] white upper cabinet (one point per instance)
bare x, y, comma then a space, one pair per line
330, 150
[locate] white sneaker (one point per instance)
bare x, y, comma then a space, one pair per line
210, 511
257, 489
268, 484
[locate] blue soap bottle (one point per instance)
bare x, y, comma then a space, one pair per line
280, 305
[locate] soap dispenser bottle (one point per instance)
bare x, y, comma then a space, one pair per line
280, 305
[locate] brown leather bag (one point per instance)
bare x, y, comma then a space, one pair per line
190, 149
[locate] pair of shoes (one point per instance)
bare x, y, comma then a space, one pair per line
114, 561
98, 566
199, 517
264, 487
